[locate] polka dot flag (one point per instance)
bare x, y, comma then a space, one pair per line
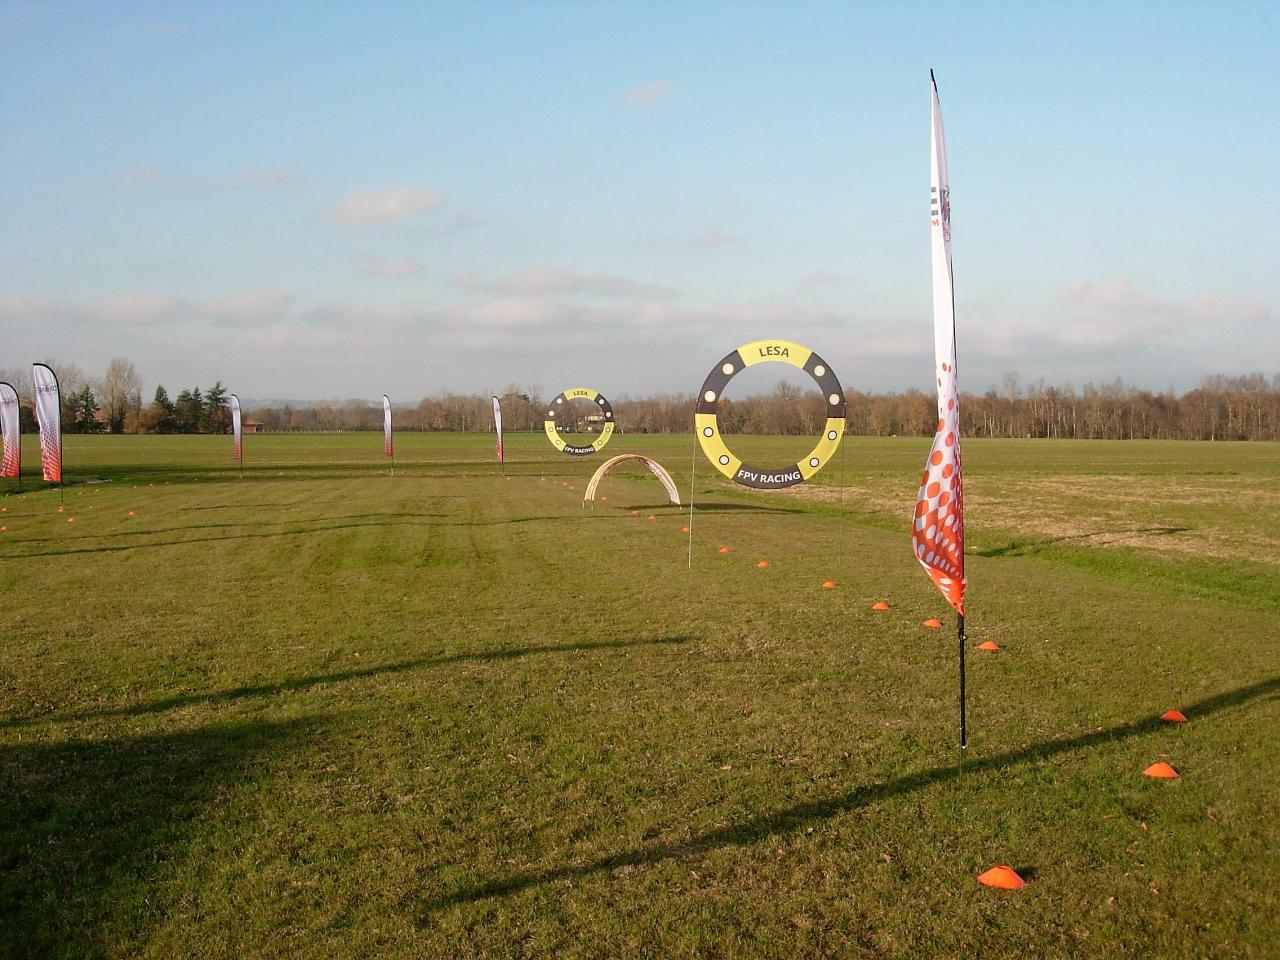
937, 535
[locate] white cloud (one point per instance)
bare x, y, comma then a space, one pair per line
391, 267
1120, 297
120, 310
539, 326
822, 279
550, 281
713, 238
646, 94
385, 206
252, 308
249, 308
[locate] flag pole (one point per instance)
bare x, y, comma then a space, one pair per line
693, 473
62, 498
964, 726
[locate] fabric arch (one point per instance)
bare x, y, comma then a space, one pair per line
652, 465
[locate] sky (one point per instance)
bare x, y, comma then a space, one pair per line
325, 200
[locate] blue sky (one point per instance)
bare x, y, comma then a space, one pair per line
334, 200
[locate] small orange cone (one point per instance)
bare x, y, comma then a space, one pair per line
989, 645
4, 529
4, 509
1173, 716
762, 564
879, 605
60, 509
684, 529
1161, 771
71, 519
635, 513
652, 517
1002, 878
933, 624
129, 514
604, 498
724, 549
829, 585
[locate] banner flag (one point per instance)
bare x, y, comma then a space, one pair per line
386, 425
497, 426
234, 401
937, 536
49, 417
11, 464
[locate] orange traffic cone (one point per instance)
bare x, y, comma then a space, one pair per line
1161, 771
1002, 878
71, 519
1173, 716
829, 585
684, 529
762, 564
129, 514
652, 517
989, 645
880, 605
932, 623
724, 549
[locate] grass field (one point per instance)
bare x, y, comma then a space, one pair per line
324, 712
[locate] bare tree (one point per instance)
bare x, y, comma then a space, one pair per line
121, 393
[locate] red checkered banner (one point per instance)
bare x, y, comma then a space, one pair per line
937, 536
497, 426
386, 426
48, 404
234, 401
11, 463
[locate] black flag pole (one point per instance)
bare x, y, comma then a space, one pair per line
693, 476
964, 727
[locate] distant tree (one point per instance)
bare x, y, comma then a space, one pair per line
121, 384
159, 417
217, 413
188, 410
83, 406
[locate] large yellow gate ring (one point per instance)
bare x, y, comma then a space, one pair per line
556, 410
707, 418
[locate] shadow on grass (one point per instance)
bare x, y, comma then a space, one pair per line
181, 474
268, 535
87, 828
341, 676
709, 508
143, 531
1021, 548
793, 818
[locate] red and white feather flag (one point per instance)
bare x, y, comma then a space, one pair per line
234, 401
386, 426
497, 426
11, 465
48, 404
937, 535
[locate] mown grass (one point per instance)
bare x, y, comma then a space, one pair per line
321, 711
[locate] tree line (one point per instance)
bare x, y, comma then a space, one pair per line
1219, 408
112, 403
